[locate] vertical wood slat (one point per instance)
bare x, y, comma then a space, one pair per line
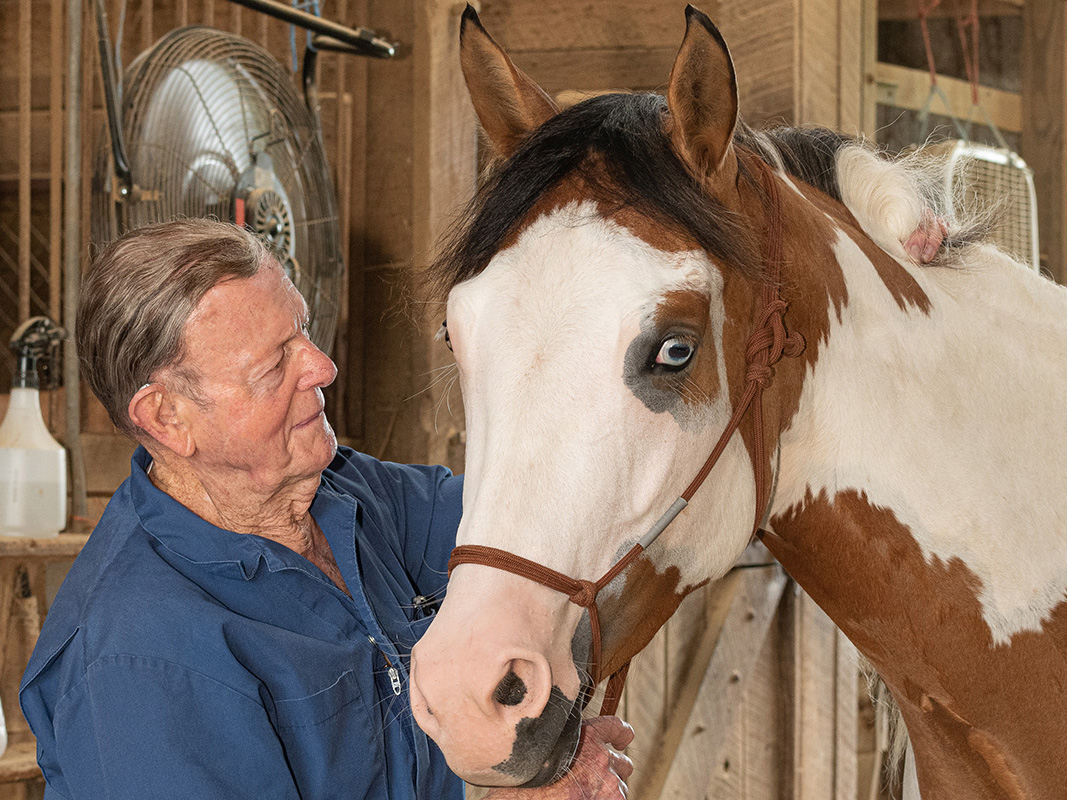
701, 728
55, 182
846, 687
25, 65
1044, 112
147, 21
90, 80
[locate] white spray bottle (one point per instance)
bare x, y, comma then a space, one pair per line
33, 465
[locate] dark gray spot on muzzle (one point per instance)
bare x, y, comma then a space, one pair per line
545, 745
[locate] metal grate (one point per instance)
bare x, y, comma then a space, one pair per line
995, 181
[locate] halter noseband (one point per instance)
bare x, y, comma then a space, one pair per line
767, 344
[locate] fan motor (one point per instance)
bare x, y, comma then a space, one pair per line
267, 215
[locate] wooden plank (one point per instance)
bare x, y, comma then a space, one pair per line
646, 707
636, 68
65, 545
816, 770
107, 461
818, 58
903, 87
1044, 108
699, 735
760, 766
19, 762
586, 24
846, 719
850, 34
55, 185
869, 100
763, 42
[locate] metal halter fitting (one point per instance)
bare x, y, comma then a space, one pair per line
768, 343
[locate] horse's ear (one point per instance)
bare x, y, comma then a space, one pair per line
508, 103
702, 97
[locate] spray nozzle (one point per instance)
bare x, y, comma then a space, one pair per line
35, 339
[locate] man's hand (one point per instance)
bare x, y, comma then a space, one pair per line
598, 772
924, 242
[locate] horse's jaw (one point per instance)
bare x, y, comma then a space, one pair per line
493, 683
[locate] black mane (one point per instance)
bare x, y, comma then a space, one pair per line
616, 144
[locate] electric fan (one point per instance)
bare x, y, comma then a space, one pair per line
985, 179
213, 127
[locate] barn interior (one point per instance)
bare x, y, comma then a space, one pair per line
749, 691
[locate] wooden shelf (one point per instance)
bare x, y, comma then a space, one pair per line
65, 545
19, 762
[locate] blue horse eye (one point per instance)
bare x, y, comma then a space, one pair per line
675, 353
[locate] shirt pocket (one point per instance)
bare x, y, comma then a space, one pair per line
332, 741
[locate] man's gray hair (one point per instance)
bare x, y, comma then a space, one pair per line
137, 297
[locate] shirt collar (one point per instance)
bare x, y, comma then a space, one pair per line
197, 540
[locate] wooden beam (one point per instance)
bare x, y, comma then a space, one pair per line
566, 25
1045, 115
702, 720
904, 87
638, 68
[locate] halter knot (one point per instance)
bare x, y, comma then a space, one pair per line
758, 373
585, 594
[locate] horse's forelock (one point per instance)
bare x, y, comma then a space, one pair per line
617, 149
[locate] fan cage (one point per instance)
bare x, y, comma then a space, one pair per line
995, 182
202, 112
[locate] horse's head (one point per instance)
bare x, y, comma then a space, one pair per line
601, 295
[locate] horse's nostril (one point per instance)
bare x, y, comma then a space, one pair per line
510, 691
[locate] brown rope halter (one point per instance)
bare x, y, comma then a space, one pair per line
768, 343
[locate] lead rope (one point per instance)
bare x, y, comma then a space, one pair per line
768, 343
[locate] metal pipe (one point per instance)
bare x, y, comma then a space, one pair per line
361, 40
72, 260
111, 103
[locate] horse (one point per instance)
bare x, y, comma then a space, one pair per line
643, 280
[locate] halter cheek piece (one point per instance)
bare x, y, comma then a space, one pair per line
768, 343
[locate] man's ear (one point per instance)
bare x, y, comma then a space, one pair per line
158, 413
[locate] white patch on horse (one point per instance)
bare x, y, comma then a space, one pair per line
559, 449
934, 417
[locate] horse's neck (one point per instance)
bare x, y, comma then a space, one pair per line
919, 499
950, 418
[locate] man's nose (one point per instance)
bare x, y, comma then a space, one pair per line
319, 369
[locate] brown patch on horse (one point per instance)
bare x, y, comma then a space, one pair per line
901, 284
986, 720
647, 601
650, 231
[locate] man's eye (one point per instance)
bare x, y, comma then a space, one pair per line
675, 353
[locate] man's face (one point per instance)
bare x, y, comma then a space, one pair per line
261, 380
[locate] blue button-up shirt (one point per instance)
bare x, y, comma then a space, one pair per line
180, 660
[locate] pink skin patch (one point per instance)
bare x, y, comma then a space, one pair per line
924, 242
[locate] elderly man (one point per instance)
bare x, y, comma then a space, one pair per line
239, 621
